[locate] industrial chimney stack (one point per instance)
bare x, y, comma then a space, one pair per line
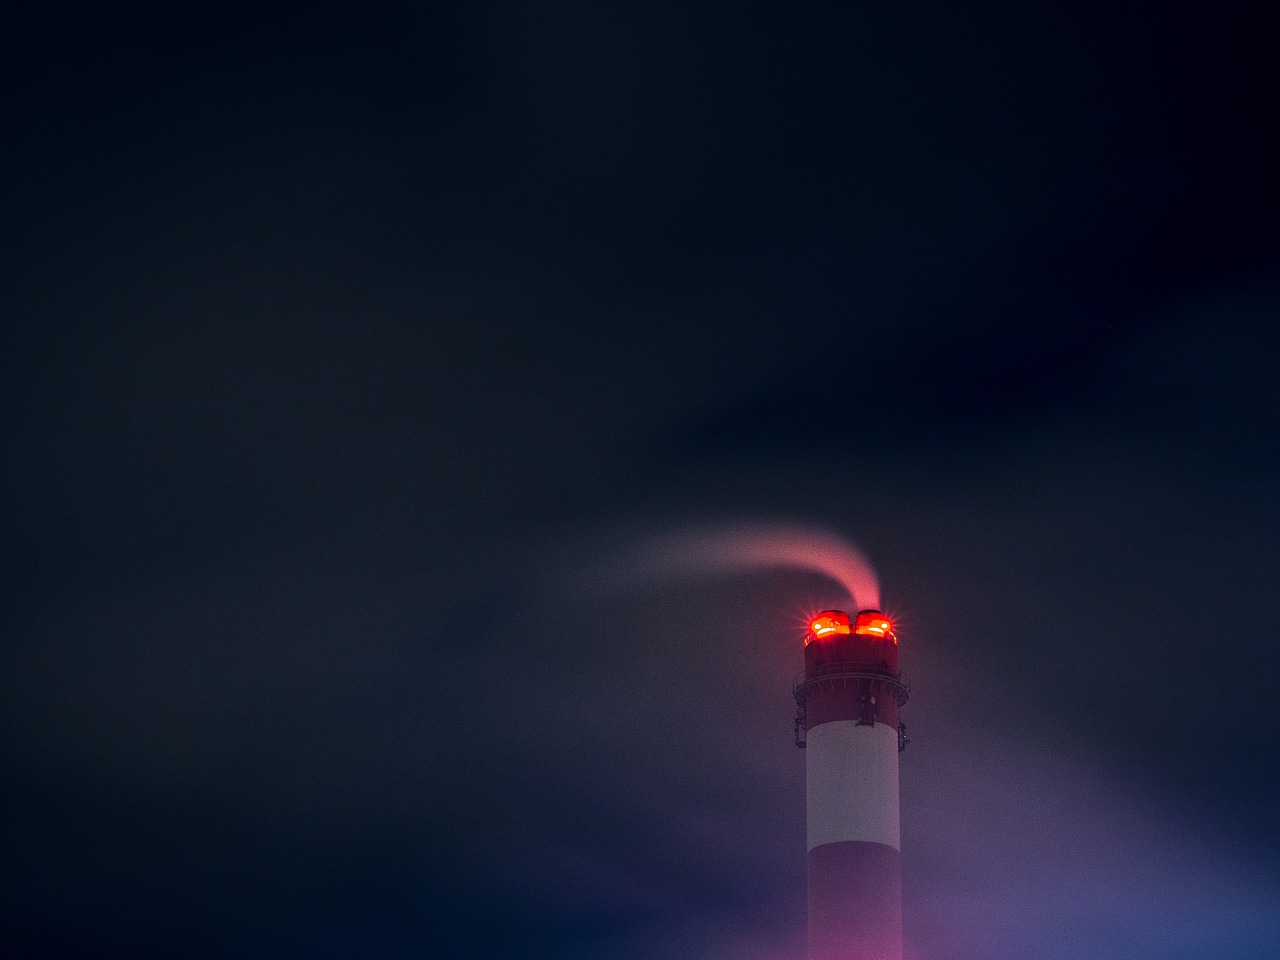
847, 703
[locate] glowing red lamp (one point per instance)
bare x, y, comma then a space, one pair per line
828, 623
873, 623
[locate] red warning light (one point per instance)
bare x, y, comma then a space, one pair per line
873, 623
828, 623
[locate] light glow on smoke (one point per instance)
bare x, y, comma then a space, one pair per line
741, 547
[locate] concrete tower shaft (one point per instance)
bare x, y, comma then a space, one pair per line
848, 700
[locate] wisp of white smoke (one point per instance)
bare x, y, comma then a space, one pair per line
728, 547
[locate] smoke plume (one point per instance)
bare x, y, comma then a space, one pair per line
730, 547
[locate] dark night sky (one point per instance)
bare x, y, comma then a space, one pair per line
338, 345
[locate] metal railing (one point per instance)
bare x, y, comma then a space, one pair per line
851, 671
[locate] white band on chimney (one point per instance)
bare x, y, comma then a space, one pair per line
852, 773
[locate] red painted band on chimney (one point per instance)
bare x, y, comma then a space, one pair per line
855, 902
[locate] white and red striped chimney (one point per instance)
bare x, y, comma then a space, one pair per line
847, 719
